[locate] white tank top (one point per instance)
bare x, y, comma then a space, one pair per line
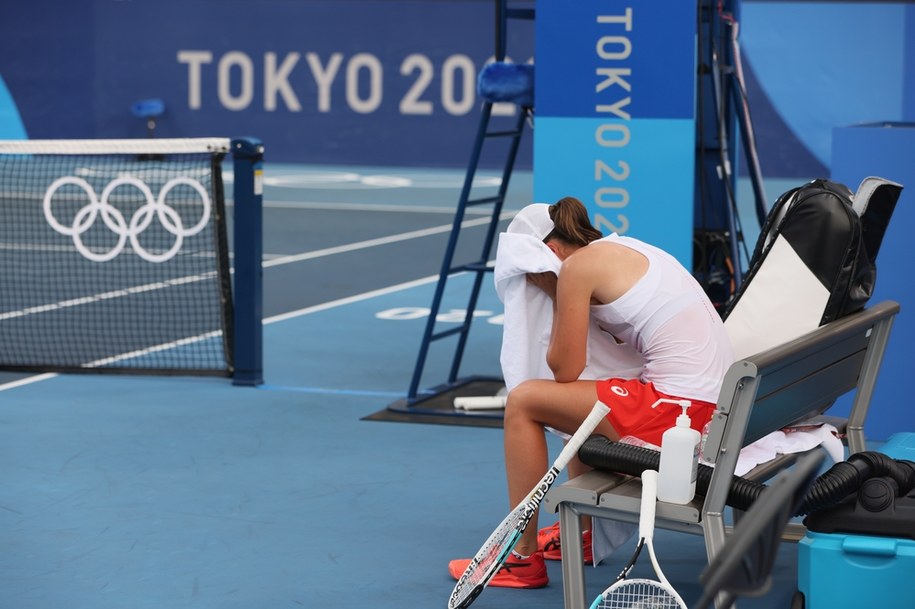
669, 319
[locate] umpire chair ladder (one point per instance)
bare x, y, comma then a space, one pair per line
479, 267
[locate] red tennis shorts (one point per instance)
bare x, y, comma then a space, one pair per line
631, 413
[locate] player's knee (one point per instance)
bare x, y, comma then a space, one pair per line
523, 391
520, 399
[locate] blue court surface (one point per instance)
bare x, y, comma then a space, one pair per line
135, 492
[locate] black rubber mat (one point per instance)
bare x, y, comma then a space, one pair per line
438, 407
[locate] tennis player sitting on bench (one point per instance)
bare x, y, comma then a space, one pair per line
640, 295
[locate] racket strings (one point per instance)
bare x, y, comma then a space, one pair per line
487, 561
638, 594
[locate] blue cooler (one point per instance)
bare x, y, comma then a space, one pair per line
900, 446
836, 571
857, 571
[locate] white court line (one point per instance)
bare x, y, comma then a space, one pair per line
351, 299
28, 380
386, 207
285, 260
154, 349
351, 247
73, 302
366, 180
295, 205
282, 317
209, 275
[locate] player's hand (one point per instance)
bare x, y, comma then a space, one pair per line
545, 281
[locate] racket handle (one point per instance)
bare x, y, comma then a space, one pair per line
597, 415
481, 402
649, 502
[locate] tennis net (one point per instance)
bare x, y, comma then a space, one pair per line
114, 256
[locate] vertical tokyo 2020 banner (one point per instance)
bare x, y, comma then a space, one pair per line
615, 99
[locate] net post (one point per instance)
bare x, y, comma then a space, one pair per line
248, 158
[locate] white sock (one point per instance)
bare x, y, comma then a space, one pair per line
519, 556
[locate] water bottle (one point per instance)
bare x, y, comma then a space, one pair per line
679, 459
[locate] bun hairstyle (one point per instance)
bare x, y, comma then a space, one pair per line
571, 223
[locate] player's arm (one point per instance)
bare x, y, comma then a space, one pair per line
567, 352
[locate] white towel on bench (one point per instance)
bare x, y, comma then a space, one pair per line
795, 439
607, 535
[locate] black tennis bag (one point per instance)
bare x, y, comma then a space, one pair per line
815, 261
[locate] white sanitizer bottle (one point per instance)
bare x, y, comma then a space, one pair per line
679, 459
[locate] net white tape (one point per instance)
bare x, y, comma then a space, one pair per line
133, 146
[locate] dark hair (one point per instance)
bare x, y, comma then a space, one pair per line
571, 223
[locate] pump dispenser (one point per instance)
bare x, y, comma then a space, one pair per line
679, 458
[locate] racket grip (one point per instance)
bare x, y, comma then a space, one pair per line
649, 503
597, 415
482, 402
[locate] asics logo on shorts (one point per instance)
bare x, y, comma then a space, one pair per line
114, 220
620, 391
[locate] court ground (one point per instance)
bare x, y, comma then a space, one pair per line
152, 492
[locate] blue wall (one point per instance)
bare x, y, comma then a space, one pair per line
887, 151
332, 81
74, 68
817, 66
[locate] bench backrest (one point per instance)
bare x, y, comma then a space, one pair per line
798, 380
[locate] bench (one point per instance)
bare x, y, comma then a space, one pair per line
783, 385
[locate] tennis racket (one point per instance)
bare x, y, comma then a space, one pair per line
490, 557
642, 593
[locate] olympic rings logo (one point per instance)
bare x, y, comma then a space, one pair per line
115, 222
